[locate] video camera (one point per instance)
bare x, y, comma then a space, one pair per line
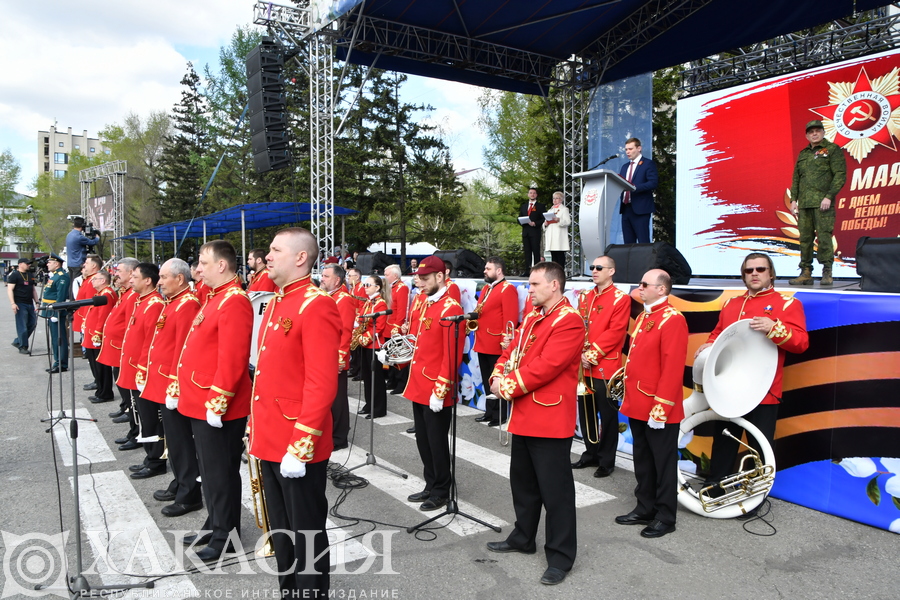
90, 231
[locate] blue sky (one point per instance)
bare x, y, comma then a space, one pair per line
88, 64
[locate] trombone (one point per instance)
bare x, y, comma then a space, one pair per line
258, 495
513, 362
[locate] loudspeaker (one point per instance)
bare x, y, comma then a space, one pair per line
373, 263
268, 121
878, 264
633, 260
463, 263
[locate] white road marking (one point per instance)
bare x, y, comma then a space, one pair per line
92, 447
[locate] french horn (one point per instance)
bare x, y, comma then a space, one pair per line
398, 350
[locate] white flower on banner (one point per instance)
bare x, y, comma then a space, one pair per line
859, 466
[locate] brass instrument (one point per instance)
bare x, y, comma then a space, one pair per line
745, 484
472, 326
508, 335
615, 387
585, 391
354, 337
258, 495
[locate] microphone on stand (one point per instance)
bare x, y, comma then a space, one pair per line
472, 316
76, 304
377, 314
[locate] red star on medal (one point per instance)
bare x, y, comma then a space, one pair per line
863, 112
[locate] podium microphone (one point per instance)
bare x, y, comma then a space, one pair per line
76, 304
472, 316
604, 161
377, 314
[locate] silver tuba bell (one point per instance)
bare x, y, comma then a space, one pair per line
398, 350
730, 379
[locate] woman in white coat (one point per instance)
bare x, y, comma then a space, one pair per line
556, 236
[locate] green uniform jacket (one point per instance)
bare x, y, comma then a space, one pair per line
820, 173
56, 288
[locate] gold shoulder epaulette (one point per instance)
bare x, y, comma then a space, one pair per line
235, 291
312, 292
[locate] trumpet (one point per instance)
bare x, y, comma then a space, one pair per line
472, 326
258, 494
513, 362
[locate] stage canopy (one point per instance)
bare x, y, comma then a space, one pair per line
236, 218
515, 45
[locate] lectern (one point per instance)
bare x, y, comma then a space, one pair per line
599, 191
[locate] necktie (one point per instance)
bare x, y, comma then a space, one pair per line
627, 198
530, 208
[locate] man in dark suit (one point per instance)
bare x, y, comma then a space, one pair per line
531, 231
637, 206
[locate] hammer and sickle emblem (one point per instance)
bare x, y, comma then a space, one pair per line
862, 115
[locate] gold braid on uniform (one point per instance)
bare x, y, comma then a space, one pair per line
218, 405
139, 378
172, 390
658, 413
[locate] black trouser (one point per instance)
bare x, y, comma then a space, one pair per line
494, 408
531, 244
182, 456
149, 425
299, 505
540, 474
434, 447
378, 406
355, 359
340, 412
725, 449
655, 468
559, 257
125, 405
600, 446
397, 378
103, 375
219, 456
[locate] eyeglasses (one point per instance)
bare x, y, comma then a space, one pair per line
644, 284
598, 267
749, 270
370, 285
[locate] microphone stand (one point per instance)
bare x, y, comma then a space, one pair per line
370, 455
59, 347
452, 504
80, 587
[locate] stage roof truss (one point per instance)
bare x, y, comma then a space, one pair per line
114, 173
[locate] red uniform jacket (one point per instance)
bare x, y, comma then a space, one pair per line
359, 294
654, 371
136, 345
789, 332
168, 338
365, 340
347, 310
96, 316
432, 363
201, 290
261, 282
295, 381
543, 372
213, 366
499, 304
400, 304
114, 330
453, 291
415, 312
84, 292
606, 315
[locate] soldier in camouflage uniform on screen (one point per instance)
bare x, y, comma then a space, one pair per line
819, 175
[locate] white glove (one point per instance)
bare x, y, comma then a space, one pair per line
213, 419
292, 467
171, 403
435, 403
654, 424
54, 320
141, 387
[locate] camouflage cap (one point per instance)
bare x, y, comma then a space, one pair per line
814, 125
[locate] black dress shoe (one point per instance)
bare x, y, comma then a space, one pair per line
433, 503
583, 462
657, 529
419, 496
493, 423
178, 509
210, 554
411, 429
369, 416
505, 546
116, 414
397, 392
482, 419
553, 576
90, 386
197, 541
147, 473
163, 495
96, 400
604, 471
57, 370
633, 518
358, 378
136, 468
130, 445
122, 440
363, 411
123, 418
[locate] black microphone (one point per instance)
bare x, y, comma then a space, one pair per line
472, 316
609, 159
95, 301
377, 314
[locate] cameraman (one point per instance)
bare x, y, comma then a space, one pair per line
76, 250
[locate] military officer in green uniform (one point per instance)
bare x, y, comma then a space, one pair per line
819, 175
56, 288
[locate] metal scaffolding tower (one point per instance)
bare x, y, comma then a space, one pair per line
114, 172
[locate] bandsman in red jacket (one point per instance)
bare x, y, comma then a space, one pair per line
133, 372
358, 293
781, 318
654, 391
214, 392
432, 372
397, 378
606, 311
538, 374
169, 334
452, 289
333, 283
371, 339
259, 280
92, 264
497, 306
92, 335
290, 425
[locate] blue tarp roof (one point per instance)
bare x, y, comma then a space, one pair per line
262, 214
561, 28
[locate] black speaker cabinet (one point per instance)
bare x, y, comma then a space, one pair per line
463, 263
878, 264
633, 260
373, 263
